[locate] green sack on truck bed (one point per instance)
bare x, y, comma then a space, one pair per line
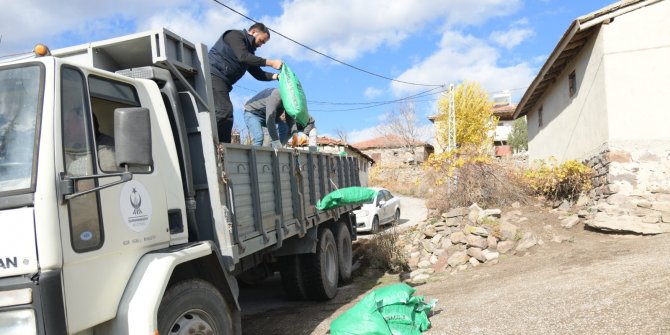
292, 95
346, 196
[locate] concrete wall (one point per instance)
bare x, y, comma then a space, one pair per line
572, 126
637, 67
503, 130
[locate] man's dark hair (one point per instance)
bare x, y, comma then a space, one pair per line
260, 27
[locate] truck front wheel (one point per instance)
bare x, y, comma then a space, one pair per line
320, 270
194, 307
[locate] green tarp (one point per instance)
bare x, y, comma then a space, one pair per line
292, 95
346, 196
390, 310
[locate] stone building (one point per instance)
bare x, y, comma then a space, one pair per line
392, 151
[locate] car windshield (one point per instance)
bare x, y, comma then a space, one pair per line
19, 105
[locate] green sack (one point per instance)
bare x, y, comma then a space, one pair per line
394, 294
346, 196
398, 313
403, 329
362, 319
292, 95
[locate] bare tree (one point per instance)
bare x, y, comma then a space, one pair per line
402, 123
342, 134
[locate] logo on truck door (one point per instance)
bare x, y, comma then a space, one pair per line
135, 204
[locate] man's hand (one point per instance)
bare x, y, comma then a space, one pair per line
274, 63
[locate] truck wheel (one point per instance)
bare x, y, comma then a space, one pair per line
291, 277
344, 253
320, 270
194, 307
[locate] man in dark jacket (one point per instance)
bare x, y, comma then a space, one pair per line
231, 56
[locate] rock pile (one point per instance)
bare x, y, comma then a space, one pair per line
464, 238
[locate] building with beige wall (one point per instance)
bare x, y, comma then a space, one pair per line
601, 97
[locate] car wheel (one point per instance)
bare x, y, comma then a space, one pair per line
396, 217
375, 225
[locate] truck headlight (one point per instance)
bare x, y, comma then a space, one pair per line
18, 322
16, 297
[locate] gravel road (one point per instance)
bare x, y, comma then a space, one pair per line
598, 284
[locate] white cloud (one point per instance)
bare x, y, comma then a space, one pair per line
56, 22
372, 92
465, 58
361, 135
347, 29
511, 38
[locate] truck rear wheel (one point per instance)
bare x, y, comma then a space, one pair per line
194, 307
344, 253
320, 270
290, 269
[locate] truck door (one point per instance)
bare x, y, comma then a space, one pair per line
105, 232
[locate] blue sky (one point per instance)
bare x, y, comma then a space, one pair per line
499, 43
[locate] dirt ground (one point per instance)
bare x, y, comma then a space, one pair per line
596, 283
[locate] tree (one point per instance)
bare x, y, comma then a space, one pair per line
475, 122
342, 135
402, 124
518, 137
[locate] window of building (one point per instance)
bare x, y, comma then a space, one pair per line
539, 117
572, 83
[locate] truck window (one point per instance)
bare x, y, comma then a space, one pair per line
20, 105
86, 231
107, 95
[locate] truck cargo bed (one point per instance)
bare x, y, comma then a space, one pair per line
273, 196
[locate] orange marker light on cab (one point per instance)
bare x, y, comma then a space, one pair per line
41, 50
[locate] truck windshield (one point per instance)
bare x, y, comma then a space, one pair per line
20, 89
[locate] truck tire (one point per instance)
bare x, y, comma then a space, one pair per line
320, 270
291, 277
344, 253
194, 306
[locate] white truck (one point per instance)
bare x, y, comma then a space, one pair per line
120, 213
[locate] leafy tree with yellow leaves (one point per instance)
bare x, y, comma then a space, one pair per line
475, 122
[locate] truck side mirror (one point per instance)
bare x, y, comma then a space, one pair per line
132, 136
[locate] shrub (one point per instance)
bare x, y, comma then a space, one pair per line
461, 180
565, 181
385, 252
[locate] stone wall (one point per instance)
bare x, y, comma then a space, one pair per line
631, 186
397, 156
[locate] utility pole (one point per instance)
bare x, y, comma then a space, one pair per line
451, 135
451, 121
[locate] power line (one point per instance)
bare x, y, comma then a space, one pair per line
327, 56
373, 106
374, 103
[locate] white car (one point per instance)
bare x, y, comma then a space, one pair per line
383, 209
